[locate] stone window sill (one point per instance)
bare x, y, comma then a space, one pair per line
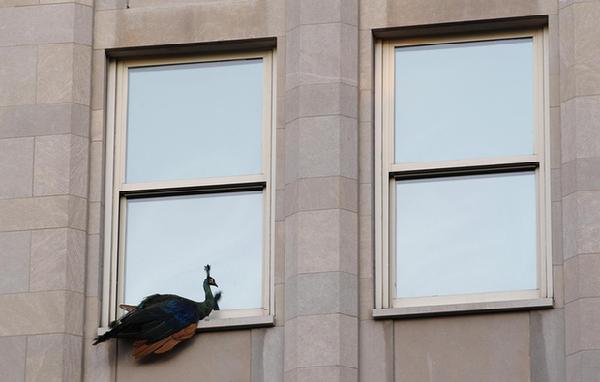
466, 308
226, 324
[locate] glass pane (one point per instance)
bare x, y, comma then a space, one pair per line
170, 239
469, 234
464, 101
194, 120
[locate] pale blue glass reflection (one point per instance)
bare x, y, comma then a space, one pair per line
464, 101
169, 240
195, 120
469, 234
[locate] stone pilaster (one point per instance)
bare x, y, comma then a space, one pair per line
321, 186
45, 65
580, 134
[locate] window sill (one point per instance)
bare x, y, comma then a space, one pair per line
226, 324
466, 308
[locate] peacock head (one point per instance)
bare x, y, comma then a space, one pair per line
209, 280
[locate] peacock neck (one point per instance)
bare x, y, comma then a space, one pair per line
208, 296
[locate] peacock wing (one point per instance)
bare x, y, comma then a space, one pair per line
161, 320
144, 348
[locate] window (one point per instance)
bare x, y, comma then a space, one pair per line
462, 182
191, 171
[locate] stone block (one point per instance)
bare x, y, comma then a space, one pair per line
572, 327
82, 71
558, 286
366, 262
102, 5
52, 165
291, 146
95, 217
78, 166
16, 167
77, 213
280, 304
318, 12
568, 131
466, 348
93, 264
587, 115
17, 3
98, 85
365, 59
573, 366
569, 222
321, 193
588, 222
12, 358
186, 24
53, 357
34, 213
581, 277
97, 125
30, 120
589, 311
93, 308
590, 366
267, 355
365, 199
373, 14
325, 146
571, 279
376, 352
280, 157
18, 65
586, 49
323, 374
46, 312
555, 159
588, 275
325, 241
587, 174
547, 336
279, 252
326, 340
557, 233
321, 54
223, 356
320, 100
366, 298
415, 12
100, 362
57, 260
322, 293
365, 152
55, 73
14, 257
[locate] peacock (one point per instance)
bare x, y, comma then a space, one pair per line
161, 321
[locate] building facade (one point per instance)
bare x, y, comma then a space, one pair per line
330, 307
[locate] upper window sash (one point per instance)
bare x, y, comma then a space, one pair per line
263, 173
388, 170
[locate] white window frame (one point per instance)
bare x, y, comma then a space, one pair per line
386, 172
117, 190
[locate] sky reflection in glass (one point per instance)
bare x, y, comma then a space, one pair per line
169, 240
464, 101
470, 234
193, 121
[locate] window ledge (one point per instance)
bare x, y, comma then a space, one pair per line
235, 323
452, 309
226, 324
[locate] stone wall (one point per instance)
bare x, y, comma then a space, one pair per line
53, 62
